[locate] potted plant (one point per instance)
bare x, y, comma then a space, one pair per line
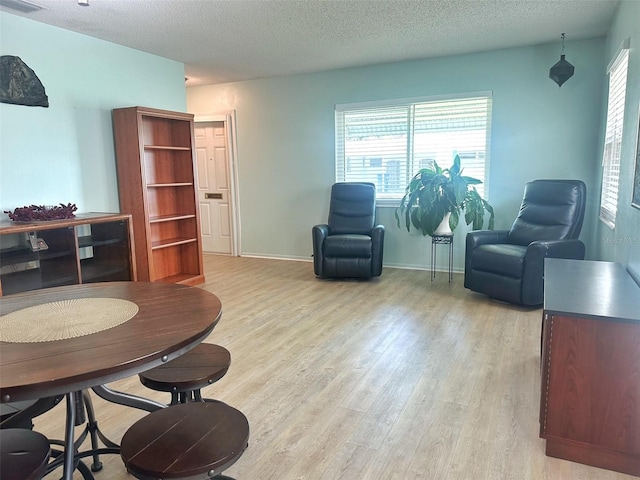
435, 198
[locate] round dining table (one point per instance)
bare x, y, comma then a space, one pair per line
67, 339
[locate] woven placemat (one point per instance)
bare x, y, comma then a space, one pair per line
65, 319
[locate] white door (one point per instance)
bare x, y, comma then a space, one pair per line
214, 180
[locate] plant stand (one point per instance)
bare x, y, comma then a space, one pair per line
441, 240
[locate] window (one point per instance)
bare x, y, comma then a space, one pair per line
613, 136
386, 143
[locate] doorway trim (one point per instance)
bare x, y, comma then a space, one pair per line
229, 118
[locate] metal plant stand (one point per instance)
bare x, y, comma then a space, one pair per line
441, 240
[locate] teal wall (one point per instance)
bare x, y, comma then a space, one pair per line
623, 243
65, 153
285, 135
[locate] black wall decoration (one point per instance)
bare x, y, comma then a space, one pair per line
19, 84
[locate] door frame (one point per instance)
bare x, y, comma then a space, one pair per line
232, 149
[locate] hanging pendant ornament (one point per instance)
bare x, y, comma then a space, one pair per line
563, 70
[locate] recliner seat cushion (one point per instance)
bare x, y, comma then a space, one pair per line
501, 259
347, 246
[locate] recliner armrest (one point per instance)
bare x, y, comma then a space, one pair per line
322, 230
318, 234
534, 264
572, 249
377, 232
483, 237
377, 249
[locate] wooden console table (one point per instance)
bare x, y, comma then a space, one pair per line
590, 389
89, 248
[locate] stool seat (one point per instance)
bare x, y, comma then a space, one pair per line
24, 454
187, 441
188, 373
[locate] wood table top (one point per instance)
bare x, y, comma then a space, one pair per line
590, 289
171, 320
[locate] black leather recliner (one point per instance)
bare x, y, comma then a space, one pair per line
509, 264
350, 244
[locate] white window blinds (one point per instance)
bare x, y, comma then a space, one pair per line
387, 143
613, 137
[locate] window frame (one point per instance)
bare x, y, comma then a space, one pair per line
613, 135
342, 165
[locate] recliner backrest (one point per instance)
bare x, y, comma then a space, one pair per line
352, 209
550, 210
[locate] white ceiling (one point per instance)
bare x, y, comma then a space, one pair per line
230, 40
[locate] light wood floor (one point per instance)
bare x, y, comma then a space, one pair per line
396, 378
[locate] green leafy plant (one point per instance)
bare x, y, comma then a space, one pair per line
433, 192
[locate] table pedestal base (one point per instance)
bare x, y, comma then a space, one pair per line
77, 403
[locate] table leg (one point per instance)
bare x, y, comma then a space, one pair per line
70, 457
69, 445
127, 399
94, 432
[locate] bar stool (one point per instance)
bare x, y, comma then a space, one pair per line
196, 440
21, 414
185, 375
24, 454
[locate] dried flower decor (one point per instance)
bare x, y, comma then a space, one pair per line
40, 212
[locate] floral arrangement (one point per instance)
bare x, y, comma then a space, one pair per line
41, 212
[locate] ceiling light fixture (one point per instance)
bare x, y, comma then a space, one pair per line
563, 70
20, 6
83, 3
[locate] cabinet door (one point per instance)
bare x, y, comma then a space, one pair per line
19, 265
104, 252
59, 262
593, 383
53, 263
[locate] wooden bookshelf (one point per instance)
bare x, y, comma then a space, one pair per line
156, 178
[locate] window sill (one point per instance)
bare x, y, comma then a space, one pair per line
608, 223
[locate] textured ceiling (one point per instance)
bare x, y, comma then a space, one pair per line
230, 40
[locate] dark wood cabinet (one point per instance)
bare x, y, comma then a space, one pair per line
156, 180
85, 249
590, 390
